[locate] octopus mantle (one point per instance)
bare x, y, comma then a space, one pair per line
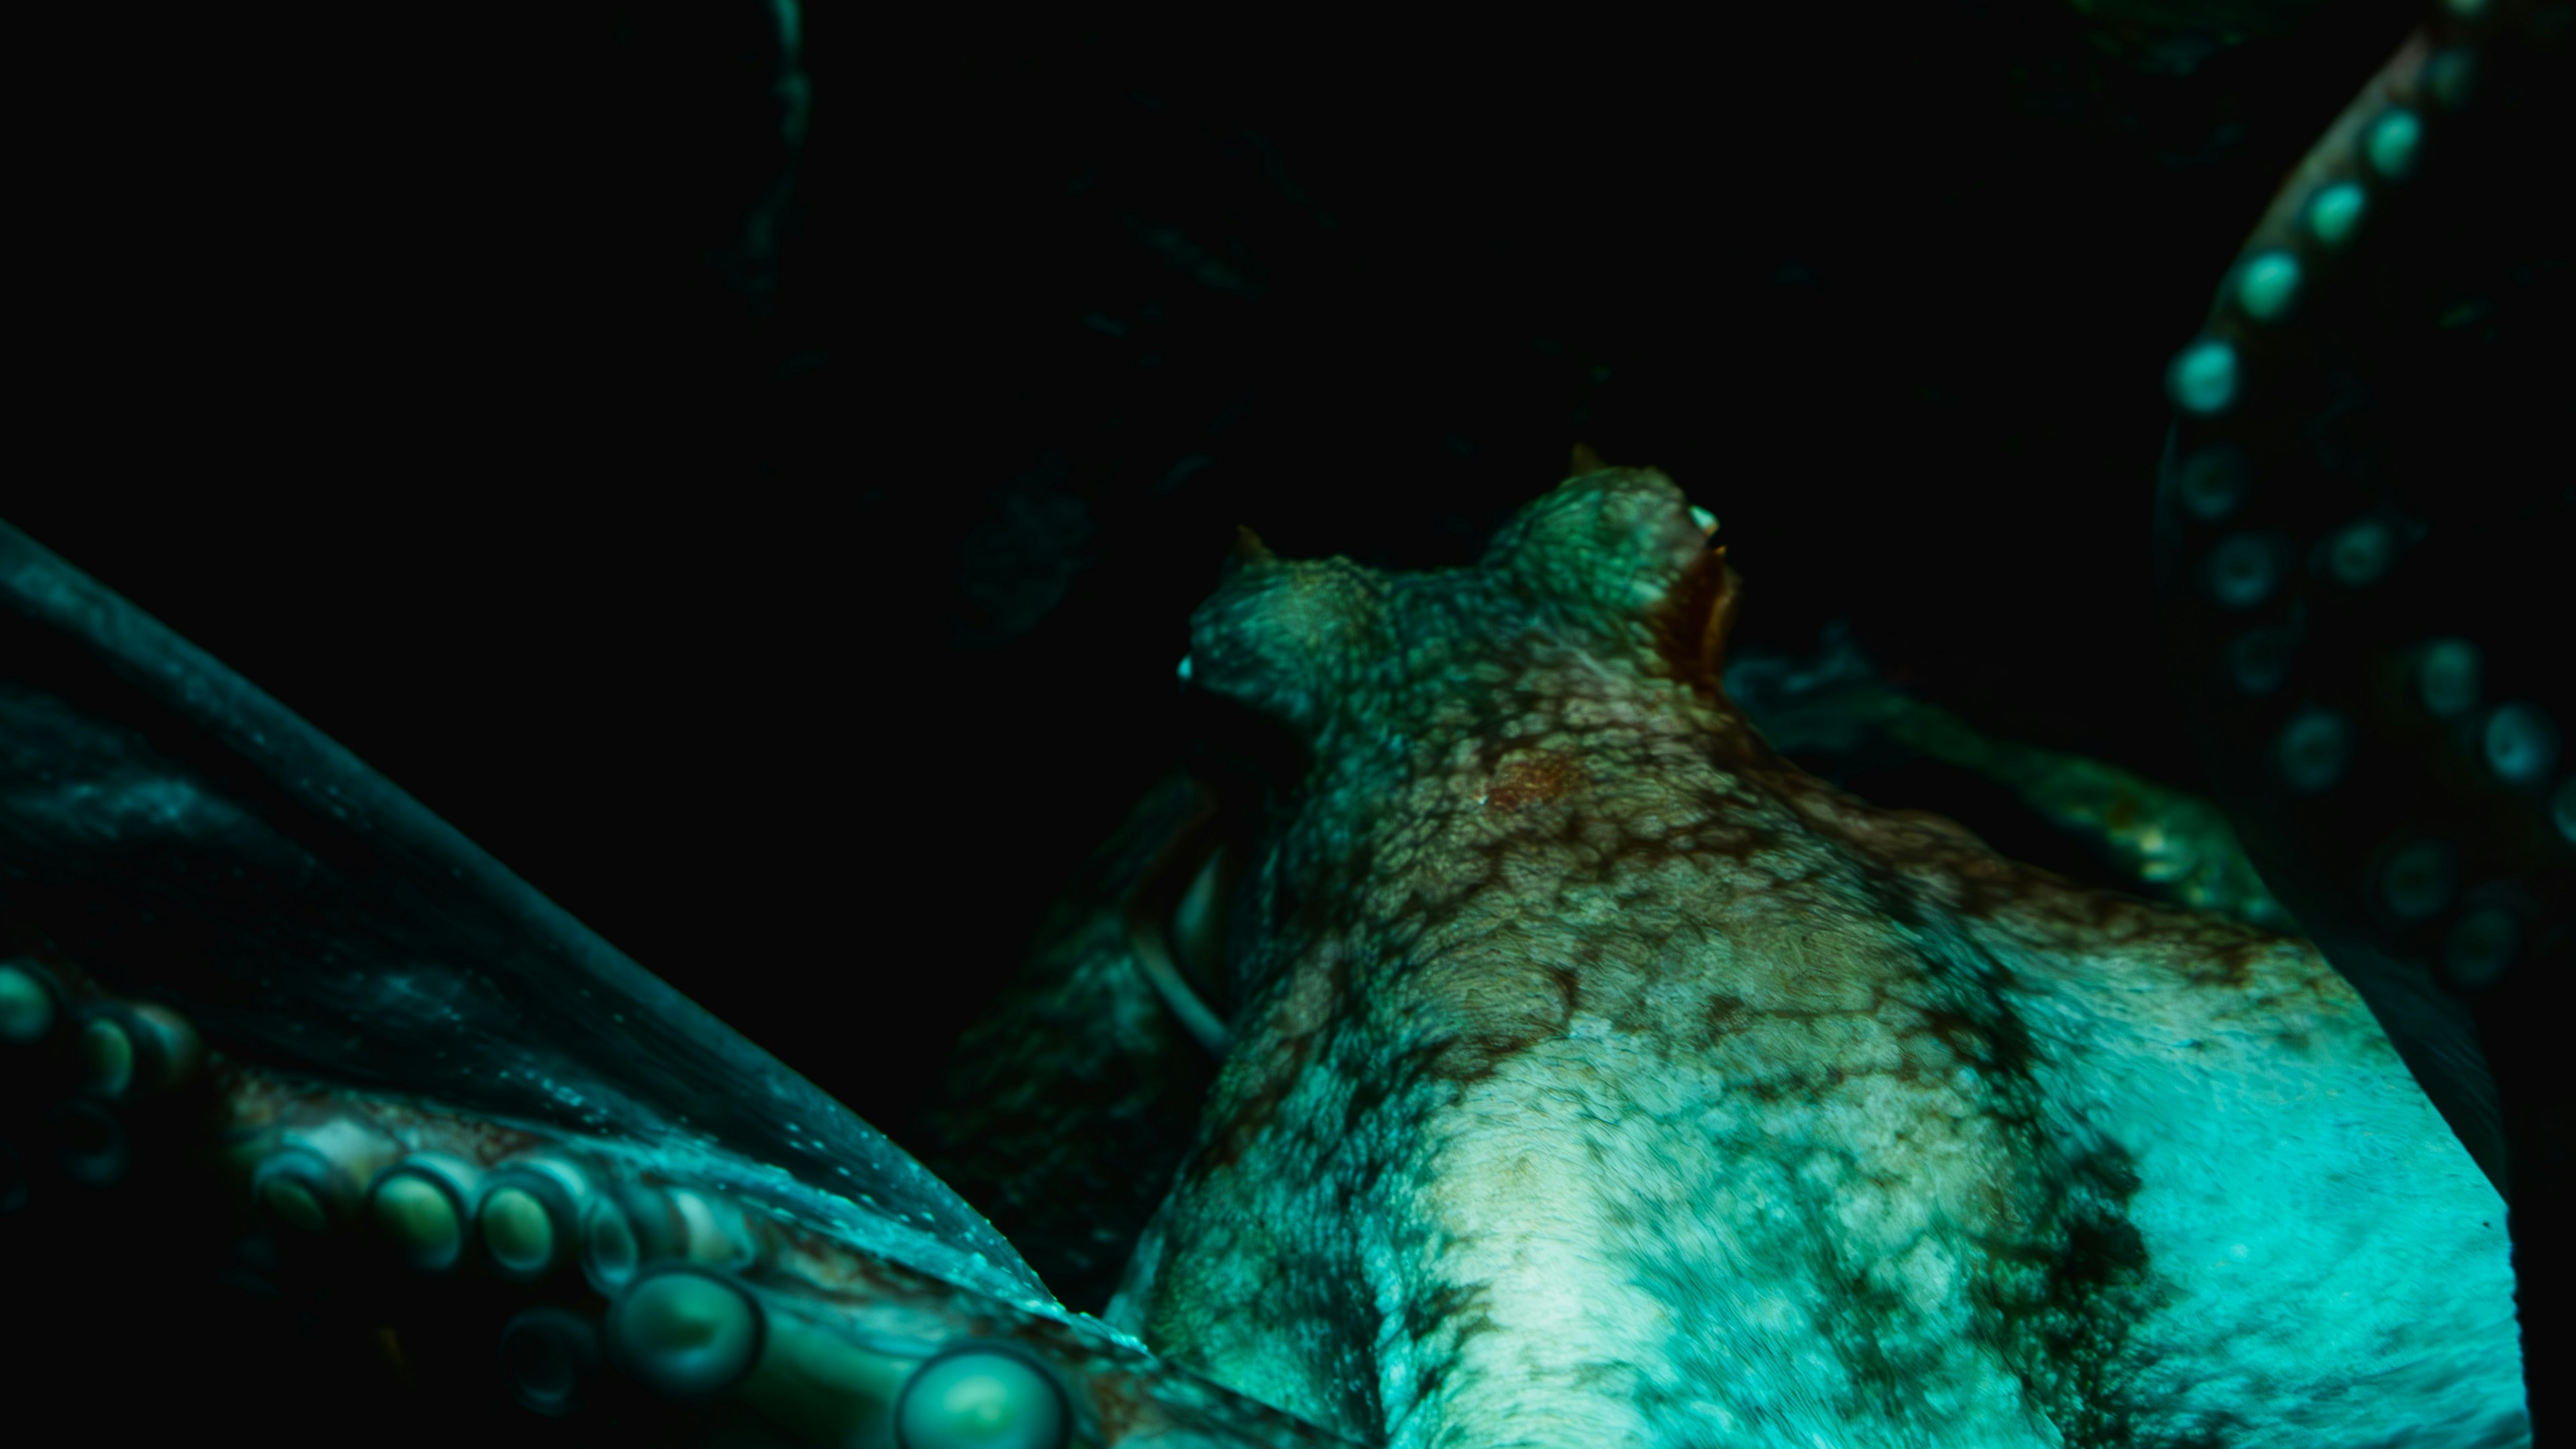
1602, 1078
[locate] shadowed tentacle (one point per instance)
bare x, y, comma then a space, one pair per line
1066, 1109
2294, 564
269, 1030
2357, 569
588, 1277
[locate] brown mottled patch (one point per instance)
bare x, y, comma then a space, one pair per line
1724, 1015
1474, 1055
1535, 778
2227, 960
1311, 1000
1230, 1140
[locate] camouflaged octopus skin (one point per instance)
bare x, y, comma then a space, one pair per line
1602, 1079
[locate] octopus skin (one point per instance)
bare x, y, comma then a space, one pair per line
1600, 1078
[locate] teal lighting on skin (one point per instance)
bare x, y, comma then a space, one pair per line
2562, 809
2395, 139
2268, 285
2335, 214
2203, 377
2466, 9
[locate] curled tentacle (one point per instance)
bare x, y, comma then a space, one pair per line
2358, 552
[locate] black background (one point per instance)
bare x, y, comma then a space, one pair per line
798, 628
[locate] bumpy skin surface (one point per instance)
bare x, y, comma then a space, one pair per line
1603, 1079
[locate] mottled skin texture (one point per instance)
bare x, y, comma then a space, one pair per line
1601, 1078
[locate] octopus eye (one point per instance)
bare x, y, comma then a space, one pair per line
981, 1398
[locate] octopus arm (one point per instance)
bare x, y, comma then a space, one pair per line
297, 1079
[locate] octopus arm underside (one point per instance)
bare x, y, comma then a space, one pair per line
272, 1034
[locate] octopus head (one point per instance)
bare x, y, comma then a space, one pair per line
1614, 561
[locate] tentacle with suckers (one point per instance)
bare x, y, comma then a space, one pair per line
2358, 571
269, 1030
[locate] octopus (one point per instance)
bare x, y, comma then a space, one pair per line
1591, 1074
1491, 1037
